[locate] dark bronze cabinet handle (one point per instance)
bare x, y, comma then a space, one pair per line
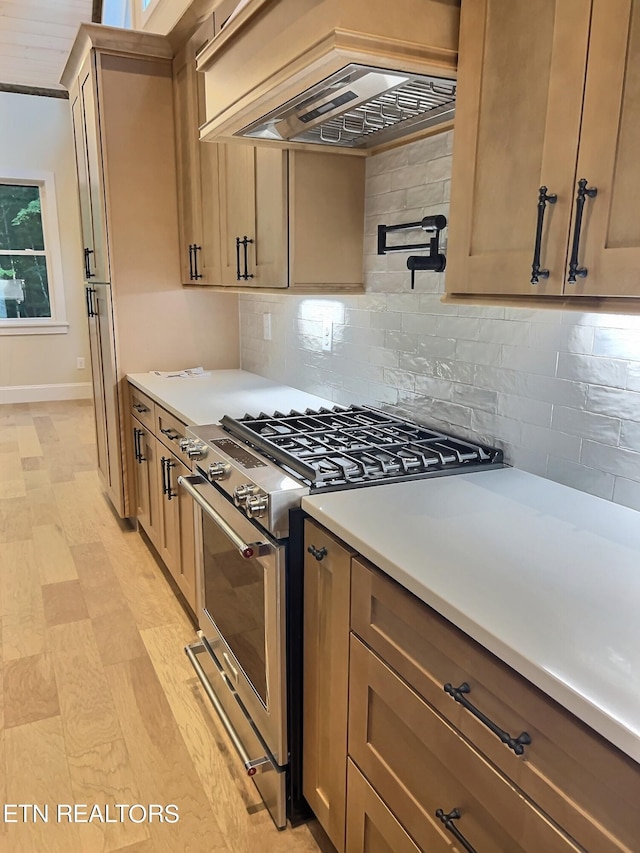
448, 821
516, 744
89, 291
137, 435
87, 263
583, 192
238, 276
318, 553
190, 261
544, 198
196, 275
244, 243
167, 465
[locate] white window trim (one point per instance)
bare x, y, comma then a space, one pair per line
142, 15
56, 324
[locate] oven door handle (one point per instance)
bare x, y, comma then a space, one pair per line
246, 549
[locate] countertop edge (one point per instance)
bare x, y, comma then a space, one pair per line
604, 724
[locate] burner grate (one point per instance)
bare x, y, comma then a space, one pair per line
357, 445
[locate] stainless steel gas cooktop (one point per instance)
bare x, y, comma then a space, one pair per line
267, 463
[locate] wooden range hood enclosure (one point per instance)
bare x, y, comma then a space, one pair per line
275, 50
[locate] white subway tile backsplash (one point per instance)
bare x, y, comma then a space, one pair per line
627, 492
617, 343
525, 409
558, 390
593, 369
615, 460
475, 398
586, 424
614, 401
529, 360
551, 441
478, 352
580, 477
630, 435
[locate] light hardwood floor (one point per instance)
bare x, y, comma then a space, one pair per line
98, 703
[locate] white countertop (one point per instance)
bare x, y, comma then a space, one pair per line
544, 576
205, 399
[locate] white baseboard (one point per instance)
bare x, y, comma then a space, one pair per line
45, 393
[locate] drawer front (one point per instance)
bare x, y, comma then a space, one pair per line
371, 827
572, 773
142, 407
418, 764
170, 431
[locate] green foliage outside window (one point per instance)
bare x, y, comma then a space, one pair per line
24, 286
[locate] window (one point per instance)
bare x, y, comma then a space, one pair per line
31, 294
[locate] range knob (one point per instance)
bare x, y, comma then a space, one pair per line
242, 493
196, 450
256, 505
184, 444
218, 470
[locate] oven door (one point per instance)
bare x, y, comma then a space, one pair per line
241, 610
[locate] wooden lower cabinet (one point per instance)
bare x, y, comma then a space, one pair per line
176, 535
327, 584
147, 498
420, 768
371, 826
419, 765
162, 509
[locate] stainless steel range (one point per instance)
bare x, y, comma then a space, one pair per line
250, 475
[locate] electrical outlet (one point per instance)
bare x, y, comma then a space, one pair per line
266, 327
327, 335
80, 363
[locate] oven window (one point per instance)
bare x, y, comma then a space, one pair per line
234, 591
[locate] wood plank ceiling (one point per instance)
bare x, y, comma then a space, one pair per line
35, 39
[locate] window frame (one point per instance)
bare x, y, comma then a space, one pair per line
57, 323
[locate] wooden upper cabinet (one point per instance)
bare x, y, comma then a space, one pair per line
287, 219
197, 167
548, 94
608, 154
89, 168
253, 215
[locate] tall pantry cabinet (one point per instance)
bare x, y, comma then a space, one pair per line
140, 317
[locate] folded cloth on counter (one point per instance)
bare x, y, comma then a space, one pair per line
182, 374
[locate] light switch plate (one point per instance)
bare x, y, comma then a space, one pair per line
266, 327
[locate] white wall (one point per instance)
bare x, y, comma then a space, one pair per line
36, 136
558, 390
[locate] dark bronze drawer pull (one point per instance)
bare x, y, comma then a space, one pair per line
544, 198
448, 821
516, 744
574, 265
318, 553
172, 435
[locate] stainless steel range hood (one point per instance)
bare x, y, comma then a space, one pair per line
359, 107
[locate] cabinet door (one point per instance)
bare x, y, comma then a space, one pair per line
145, 473
327, 586
608, 157
105, 394
82, 173
176, 528
521, 78
98, 261
253, 205
197, 173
